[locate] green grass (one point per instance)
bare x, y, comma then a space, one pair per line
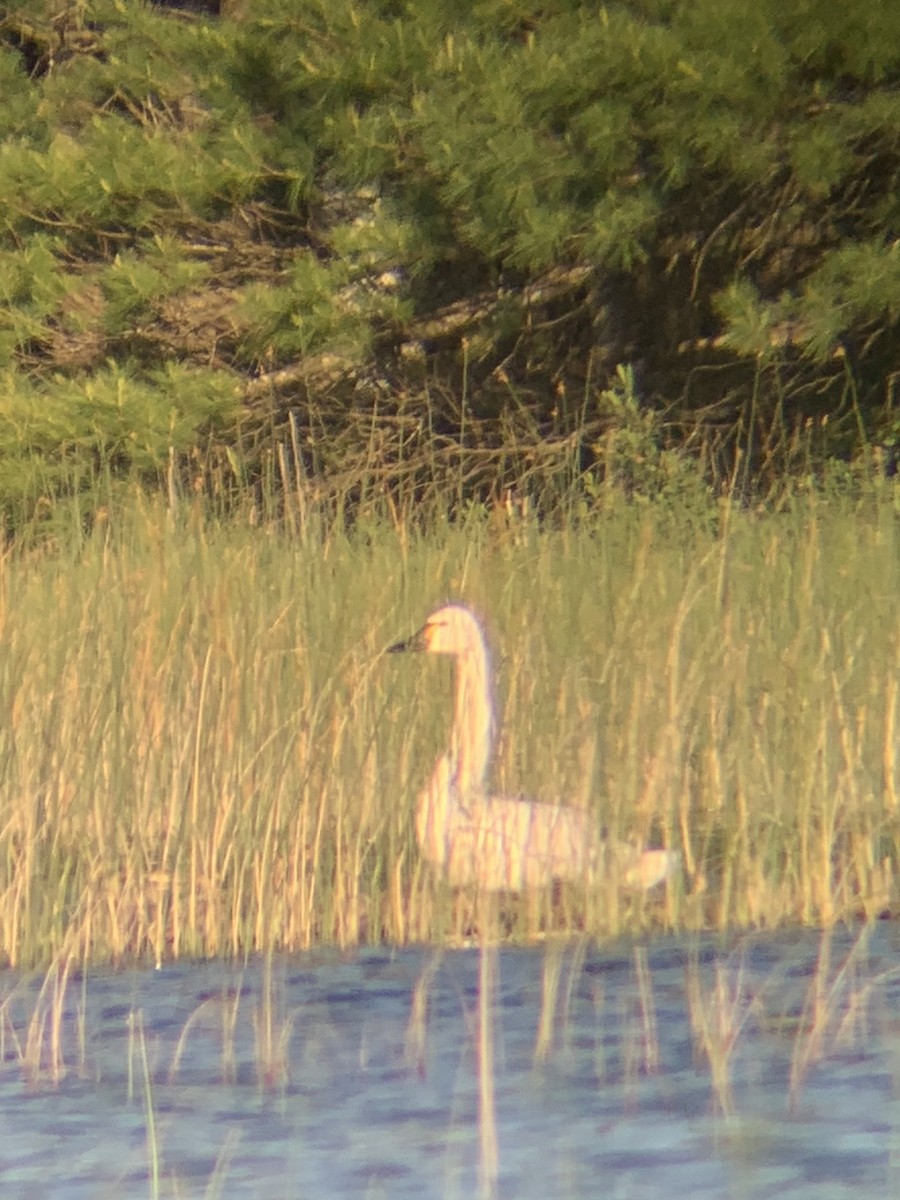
206, 752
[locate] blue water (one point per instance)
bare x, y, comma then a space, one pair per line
314, 1077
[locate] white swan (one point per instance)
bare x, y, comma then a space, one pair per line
495, 842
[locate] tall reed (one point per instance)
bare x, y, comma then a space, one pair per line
205, 752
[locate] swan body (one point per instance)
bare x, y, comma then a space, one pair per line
499, 843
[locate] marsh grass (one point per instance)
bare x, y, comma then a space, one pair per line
206, 752
153, 1148
838, 1011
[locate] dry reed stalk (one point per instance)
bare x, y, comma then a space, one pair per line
717, 1018
488, 1158
201, 736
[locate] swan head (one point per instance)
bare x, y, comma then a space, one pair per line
452, 629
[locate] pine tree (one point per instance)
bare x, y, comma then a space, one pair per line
319, 196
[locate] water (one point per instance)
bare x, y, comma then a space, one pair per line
761, 1066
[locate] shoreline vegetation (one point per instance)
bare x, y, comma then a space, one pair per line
415, 242
314, 316
207, 752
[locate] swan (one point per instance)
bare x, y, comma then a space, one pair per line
498, 843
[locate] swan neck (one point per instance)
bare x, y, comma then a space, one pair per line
473, 721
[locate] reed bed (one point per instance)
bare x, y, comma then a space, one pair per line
206, 752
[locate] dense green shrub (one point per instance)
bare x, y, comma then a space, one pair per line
389, 205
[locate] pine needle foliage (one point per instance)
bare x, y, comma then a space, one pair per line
383, 204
